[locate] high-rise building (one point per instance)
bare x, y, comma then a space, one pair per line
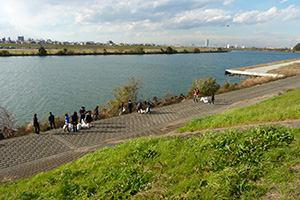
207, 43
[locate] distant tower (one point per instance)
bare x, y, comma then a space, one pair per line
207, 43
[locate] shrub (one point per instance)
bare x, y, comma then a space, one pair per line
127, 92
42, 51
168, 50
8, 127
139, 50
4, 53
196, 50
297, 47
205, 85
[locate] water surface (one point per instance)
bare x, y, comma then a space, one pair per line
62, 84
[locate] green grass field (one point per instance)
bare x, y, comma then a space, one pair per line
282, 107
257, 163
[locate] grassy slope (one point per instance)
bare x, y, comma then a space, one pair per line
282, 107
233, 164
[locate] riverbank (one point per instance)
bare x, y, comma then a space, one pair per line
73, 50
275, 69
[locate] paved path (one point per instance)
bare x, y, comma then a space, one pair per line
260, 71
28, 155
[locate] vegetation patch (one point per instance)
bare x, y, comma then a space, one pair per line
278, 108
227, 165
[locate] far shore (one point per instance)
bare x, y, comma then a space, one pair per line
78, 50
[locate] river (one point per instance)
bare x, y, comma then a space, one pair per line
62, 84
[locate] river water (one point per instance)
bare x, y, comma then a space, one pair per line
62, 84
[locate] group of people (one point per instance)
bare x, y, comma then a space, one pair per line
196, 94
85, 120
139, 107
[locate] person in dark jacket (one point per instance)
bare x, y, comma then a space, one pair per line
212, 98
51, 119
36, 124
130, 106
82, 113
88, 118
96, 113
75, 121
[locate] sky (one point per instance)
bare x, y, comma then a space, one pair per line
250, 23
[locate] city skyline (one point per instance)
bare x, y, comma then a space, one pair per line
270, 23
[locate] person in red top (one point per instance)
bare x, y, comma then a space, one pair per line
196, 92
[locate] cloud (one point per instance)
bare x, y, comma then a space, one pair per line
228, 2
273, 14
283, 1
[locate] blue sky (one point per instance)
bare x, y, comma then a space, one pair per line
251, 23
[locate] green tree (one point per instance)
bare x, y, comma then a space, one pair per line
42, 51
170, 50
205, 85
196, 50
297, 47
124, 93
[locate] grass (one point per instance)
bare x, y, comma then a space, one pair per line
260, 162
228, 165
279, 108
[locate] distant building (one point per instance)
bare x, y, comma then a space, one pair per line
110, 42
207, 43
21, 39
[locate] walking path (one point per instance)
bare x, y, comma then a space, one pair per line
28, 155
260, 71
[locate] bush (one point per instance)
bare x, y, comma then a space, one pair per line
4, 53
196, 50
8, 127
139, 50
127, 92
42, 51
297, 47
205, 85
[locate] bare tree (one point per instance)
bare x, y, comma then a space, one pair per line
8, 122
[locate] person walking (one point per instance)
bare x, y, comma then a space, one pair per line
75, 121
36, 124
82, 113
148, 110
130, 106
195, 95
51, 119
212, 98
67, 122
96, 113
122, 109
